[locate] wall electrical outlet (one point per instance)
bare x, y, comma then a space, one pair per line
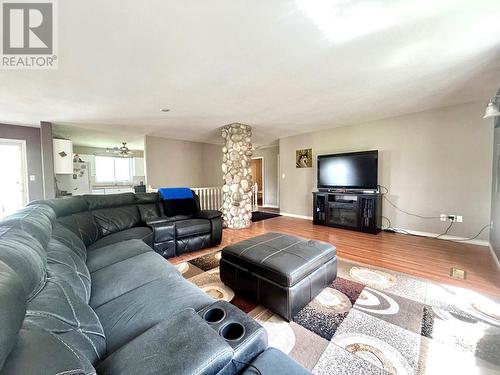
449, 217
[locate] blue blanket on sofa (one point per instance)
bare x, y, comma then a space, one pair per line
175, 193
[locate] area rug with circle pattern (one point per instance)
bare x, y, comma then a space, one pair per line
375, 321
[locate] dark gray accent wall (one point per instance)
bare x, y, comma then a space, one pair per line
33, 155
49, 188
495, 193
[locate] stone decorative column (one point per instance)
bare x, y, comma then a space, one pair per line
237, 152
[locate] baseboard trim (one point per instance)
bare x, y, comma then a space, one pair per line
494, 255
447, 237
270, 206
296, 216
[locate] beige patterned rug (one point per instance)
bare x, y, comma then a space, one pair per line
376, 321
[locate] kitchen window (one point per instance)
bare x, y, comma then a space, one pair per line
113, 170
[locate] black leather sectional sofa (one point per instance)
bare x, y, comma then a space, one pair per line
82, 292
101, 220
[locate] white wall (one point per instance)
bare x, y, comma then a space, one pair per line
270, 177
433, 162
171, 162
495, 190
212, 165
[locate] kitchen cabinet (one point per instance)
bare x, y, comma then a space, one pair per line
112, 190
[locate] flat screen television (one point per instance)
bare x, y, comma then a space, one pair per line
353, 170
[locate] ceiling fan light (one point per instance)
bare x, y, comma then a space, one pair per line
491, 110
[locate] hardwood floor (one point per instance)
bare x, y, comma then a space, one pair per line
427, 258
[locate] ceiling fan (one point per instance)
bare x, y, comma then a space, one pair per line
123, 151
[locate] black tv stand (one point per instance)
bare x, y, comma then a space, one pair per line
348, 210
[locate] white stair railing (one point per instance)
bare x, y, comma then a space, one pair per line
255, 197
210, 197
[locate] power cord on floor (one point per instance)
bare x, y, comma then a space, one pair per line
390, 224
391, 229
474, 237
447, 230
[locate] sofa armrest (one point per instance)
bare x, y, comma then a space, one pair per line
215, 218
163, 236
158, 220
163, 230
209, 214
183, 344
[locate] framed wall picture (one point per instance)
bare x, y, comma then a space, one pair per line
303, 158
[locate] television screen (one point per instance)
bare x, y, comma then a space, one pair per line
355, 170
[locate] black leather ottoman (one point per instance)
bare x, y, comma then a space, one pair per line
282, 272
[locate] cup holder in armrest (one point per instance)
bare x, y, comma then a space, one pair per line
247, 337
215, 315
232, 331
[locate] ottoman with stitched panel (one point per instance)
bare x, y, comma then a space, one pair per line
281, 272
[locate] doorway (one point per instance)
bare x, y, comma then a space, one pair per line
257, 168
13, 186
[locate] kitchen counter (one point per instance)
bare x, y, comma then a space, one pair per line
113, 189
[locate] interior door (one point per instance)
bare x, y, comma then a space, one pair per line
13, 191
256, 170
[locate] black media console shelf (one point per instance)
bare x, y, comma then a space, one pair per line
361, 212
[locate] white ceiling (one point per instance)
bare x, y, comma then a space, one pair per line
283, 67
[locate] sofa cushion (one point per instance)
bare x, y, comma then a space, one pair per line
148, 211
141, 198
96, 201
192, 227
114, 253
35, 220
25, 256
67, 265
112, 220
13, 308
122, 277
148, 206
70, 239
83, 225
138, 233
40, 352
274, 362
65, 206
174, 207
129, 315
168, 347
57, 309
